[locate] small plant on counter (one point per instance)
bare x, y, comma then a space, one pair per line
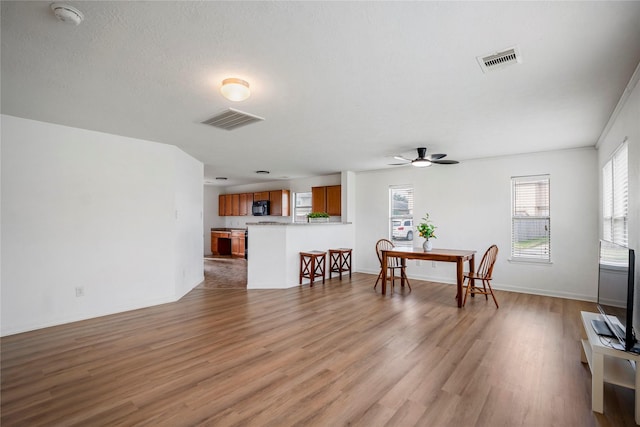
318, 215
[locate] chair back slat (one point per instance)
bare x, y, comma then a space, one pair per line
385, 245
488, 260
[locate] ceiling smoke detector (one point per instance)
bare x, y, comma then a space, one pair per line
67, 14
500, 59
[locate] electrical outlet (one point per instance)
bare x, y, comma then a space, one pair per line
433, 264
417, 262
79, 291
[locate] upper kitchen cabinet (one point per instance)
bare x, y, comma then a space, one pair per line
327, 199
240, 204
334, 200
221, 205
235, 204
228, 204
225, 205
246, 201
260, 196
279, 203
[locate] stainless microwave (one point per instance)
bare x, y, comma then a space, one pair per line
260, 208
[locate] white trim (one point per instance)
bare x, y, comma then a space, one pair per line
498, 287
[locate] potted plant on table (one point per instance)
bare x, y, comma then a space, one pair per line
318, 217
427, 230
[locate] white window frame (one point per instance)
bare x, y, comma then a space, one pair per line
538, 216
297, 207
615, 196
403, 216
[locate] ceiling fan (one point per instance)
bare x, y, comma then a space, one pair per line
424, 161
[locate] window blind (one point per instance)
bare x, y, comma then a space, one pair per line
302, 206
530, 218
400, 208
615, 197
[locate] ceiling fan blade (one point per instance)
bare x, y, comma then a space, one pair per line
445, 162
401, 158
436, 156
398, 164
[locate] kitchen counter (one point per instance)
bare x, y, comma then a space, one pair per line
229, 229
274, 260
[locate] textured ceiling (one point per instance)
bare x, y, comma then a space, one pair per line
342, 85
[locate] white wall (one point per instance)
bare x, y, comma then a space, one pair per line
470, 205
120, 217
626, 124
188, 190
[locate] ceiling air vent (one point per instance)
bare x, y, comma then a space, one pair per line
231, 119
498, 60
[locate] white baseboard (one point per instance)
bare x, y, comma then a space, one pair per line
502, 287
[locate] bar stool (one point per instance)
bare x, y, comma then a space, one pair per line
339, 261
312, 265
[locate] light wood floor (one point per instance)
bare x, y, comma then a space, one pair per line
332, 355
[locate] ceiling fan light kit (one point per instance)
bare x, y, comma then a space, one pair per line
421, 163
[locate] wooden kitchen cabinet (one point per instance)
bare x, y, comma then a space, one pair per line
220, 242
221, 205
228, 204
243, 204
318, 199
235, 204
327, 199
237, 243
334, 200
263, 195
279, 203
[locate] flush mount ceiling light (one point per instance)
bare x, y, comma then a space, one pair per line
235, 89
67, 14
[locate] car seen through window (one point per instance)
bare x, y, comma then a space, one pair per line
402, 229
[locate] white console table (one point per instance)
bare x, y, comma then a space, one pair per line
608, 365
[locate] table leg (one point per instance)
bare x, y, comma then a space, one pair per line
384, 273
403, 263
459, 265
472, 268
597, 383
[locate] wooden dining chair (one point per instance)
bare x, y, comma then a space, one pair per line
393, 263
483, 274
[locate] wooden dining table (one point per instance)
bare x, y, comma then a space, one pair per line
458, 256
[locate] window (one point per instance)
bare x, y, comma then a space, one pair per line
615, 197
530, 219
401, 215
302, 207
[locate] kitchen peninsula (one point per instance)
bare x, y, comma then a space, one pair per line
274, 249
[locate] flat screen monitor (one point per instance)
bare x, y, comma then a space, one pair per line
616, 292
